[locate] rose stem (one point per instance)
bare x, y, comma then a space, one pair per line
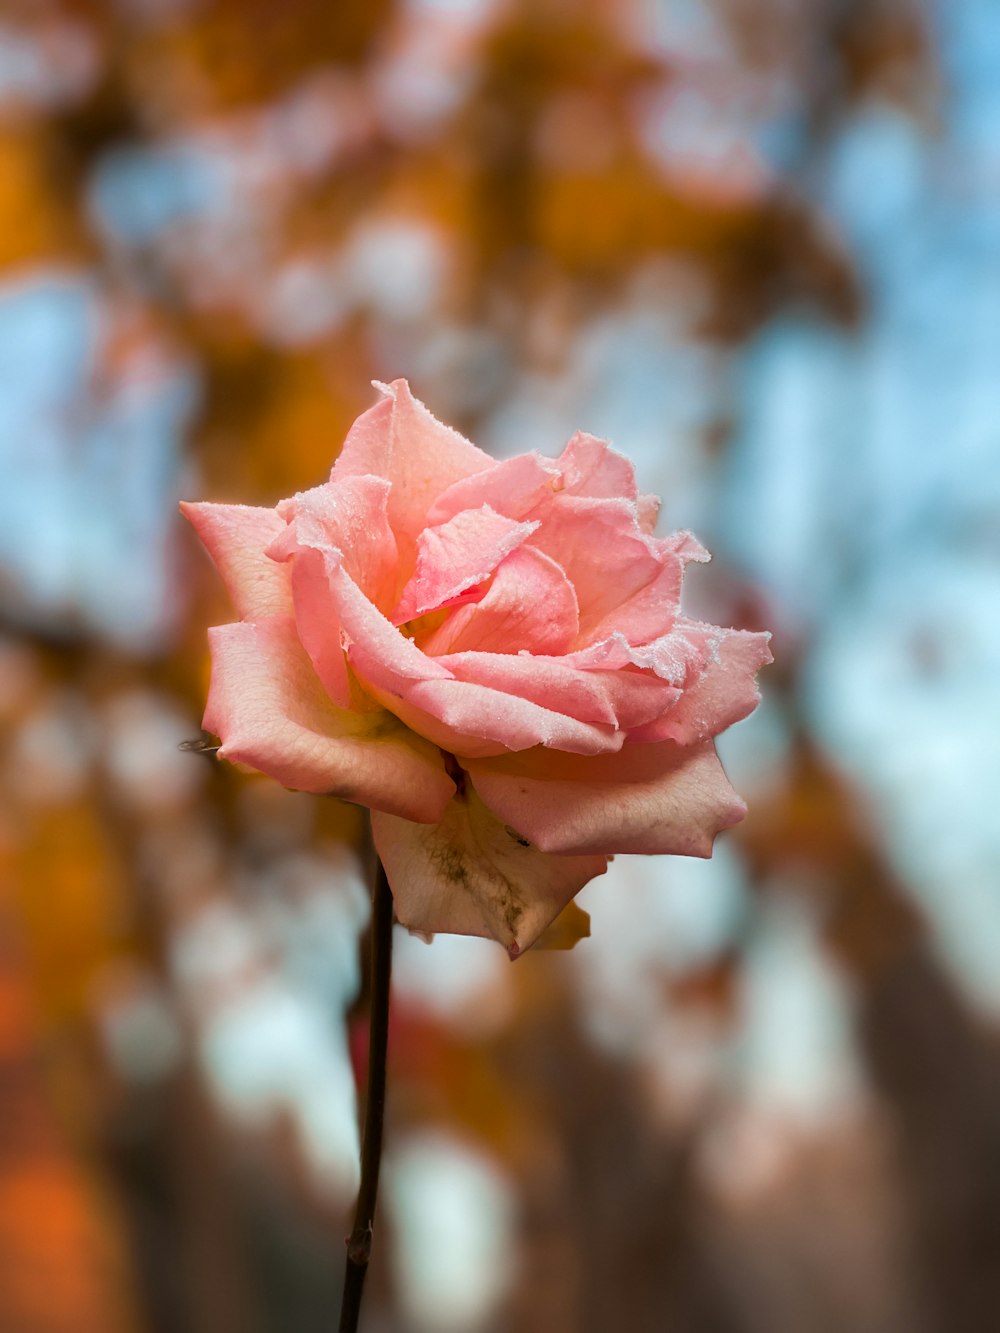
359, 1243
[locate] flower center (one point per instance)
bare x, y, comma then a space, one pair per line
420, 626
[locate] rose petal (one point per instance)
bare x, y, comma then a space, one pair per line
462, 717
646, 798
620, 699
269, 710
469, 875
599, 546
399, 440
455, 557
365, 627
320, 631
589, 466
648, 510
342, 525
725, 690
530, 605
513, 487
236, 537
470, 719
350, 517
650, 611
679, 656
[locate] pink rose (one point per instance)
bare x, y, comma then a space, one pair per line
491, 656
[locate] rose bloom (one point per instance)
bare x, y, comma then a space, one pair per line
489, 655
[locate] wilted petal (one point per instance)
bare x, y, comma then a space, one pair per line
469, 875
236, 537
570, 927
645, 798
270, 711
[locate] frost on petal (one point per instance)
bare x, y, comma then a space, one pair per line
719, 681
399, 440
270, 711
236, 537
529, 606
619, 699
514, 487
471, 875
349, 517
589, 466
467, 718
457, 556
645, 798
649, 611
604, 554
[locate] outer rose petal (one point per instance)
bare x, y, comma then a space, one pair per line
650, 611
724, 692
398, 439
646, 798
530, 605
469, 875
589, 466
269, 710
236, 536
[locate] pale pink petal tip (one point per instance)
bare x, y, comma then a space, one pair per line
237, 537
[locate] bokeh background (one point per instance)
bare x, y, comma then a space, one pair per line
756, 243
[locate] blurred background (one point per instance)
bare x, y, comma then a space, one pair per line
756, 243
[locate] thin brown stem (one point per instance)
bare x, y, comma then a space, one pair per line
359, 1243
